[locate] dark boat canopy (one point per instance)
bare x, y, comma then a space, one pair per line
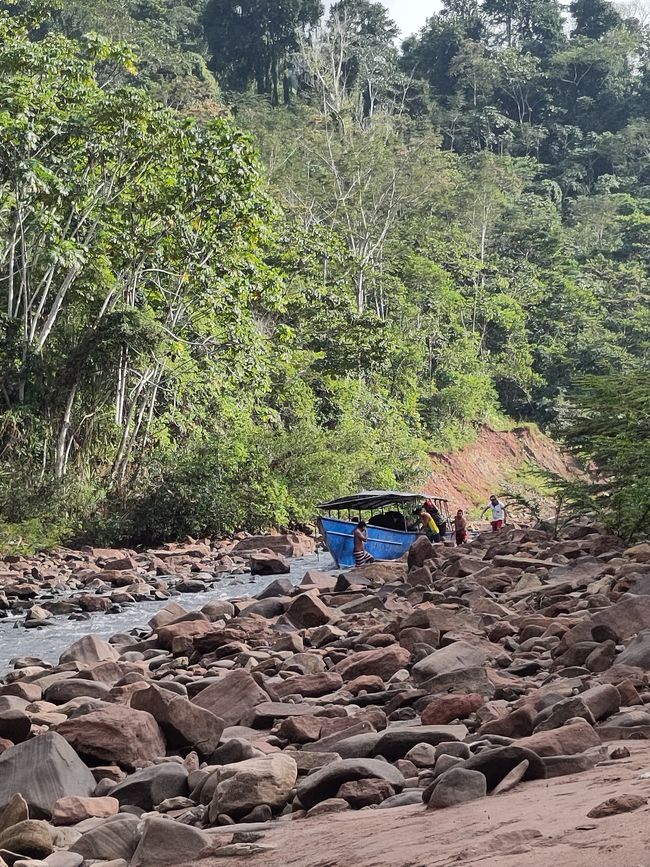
367, 501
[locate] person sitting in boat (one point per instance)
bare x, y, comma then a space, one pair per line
431, 529
361, 556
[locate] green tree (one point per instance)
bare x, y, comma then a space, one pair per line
608, 428
251, 42
594, 18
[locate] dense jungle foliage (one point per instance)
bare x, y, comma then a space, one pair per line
255, 254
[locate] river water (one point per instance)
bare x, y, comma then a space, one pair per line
59, 633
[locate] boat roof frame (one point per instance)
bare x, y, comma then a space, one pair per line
367, 501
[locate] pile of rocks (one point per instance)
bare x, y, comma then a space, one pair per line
454, 675
77, 583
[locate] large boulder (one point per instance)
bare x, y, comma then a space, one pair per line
456, 786
637, 653
576, 737
115, 735
188, 629
326, 782
114, 838
76, 687
288, 545
164, 842
268, 563
151, 786
245, 785
307, 611
420, 551
447, 708
395, 744
88, 650
43, 770
30, 838
183, 722
232, 697
382, 661
496, 763
311, 685
456, 658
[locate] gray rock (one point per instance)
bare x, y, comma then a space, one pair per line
43, 770
395, 744
89, 649
422, 755
326, 782
496, 763
455, 658
444, 763
116, 837
455, 786
246, 785
602, 700
166, 842
64, 859
637, 653
558, 714
405, 799
151, 786
66, 690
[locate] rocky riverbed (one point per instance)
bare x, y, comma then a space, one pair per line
71, 598
457, 677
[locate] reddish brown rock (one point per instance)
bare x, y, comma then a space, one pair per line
518, 724
115, 734
419, 552
365, 683
447, 708
307, 611
183, 722
569, 740
383, 662
617, 804
190, 629
69, 811
312, 685
365, 793
299, 729
232, 697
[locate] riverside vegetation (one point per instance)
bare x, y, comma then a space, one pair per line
255, 255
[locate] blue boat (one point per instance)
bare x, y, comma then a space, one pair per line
389, 518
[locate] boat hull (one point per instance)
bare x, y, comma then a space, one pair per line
382, 544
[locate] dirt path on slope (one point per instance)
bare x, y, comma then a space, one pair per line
538, 824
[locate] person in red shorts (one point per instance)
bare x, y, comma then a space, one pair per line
499, 513
460, 526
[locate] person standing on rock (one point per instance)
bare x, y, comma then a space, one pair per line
361, 556
499, 513
439, 520
431, 529
460, 527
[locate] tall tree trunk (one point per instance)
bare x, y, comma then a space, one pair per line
61, 451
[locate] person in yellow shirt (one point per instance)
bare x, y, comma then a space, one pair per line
430, 527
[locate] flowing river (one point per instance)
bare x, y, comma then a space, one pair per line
60, 632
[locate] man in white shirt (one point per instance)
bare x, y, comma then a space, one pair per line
499, 513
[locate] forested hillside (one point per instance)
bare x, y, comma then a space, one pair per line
253, 254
